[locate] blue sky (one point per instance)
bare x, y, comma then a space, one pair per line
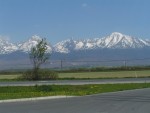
57, 20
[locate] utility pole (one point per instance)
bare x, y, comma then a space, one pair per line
61, 64
125, 63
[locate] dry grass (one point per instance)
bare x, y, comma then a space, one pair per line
116, 74
82, 75
13, 76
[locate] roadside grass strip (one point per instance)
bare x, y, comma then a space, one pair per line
17, 92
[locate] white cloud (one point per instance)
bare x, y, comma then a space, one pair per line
84, 5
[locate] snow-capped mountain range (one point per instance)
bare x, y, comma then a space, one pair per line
7, 47
114, 41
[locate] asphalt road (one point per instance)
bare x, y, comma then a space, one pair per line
133, 101
76, 82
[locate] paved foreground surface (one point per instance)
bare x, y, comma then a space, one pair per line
134, 101
76, 82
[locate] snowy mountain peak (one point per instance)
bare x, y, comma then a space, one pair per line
26, 46
114, 34
64, 46
33, 41
118, 40
7, 47
35, 38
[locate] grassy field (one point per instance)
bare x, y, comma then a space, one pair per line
14, 92
111, 74
13, 76
92, 75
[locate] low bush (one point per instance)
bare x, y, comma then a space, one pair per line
28, 75
48, 75
42, 75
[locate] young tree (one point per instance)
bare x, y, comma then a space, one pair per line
38, 56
